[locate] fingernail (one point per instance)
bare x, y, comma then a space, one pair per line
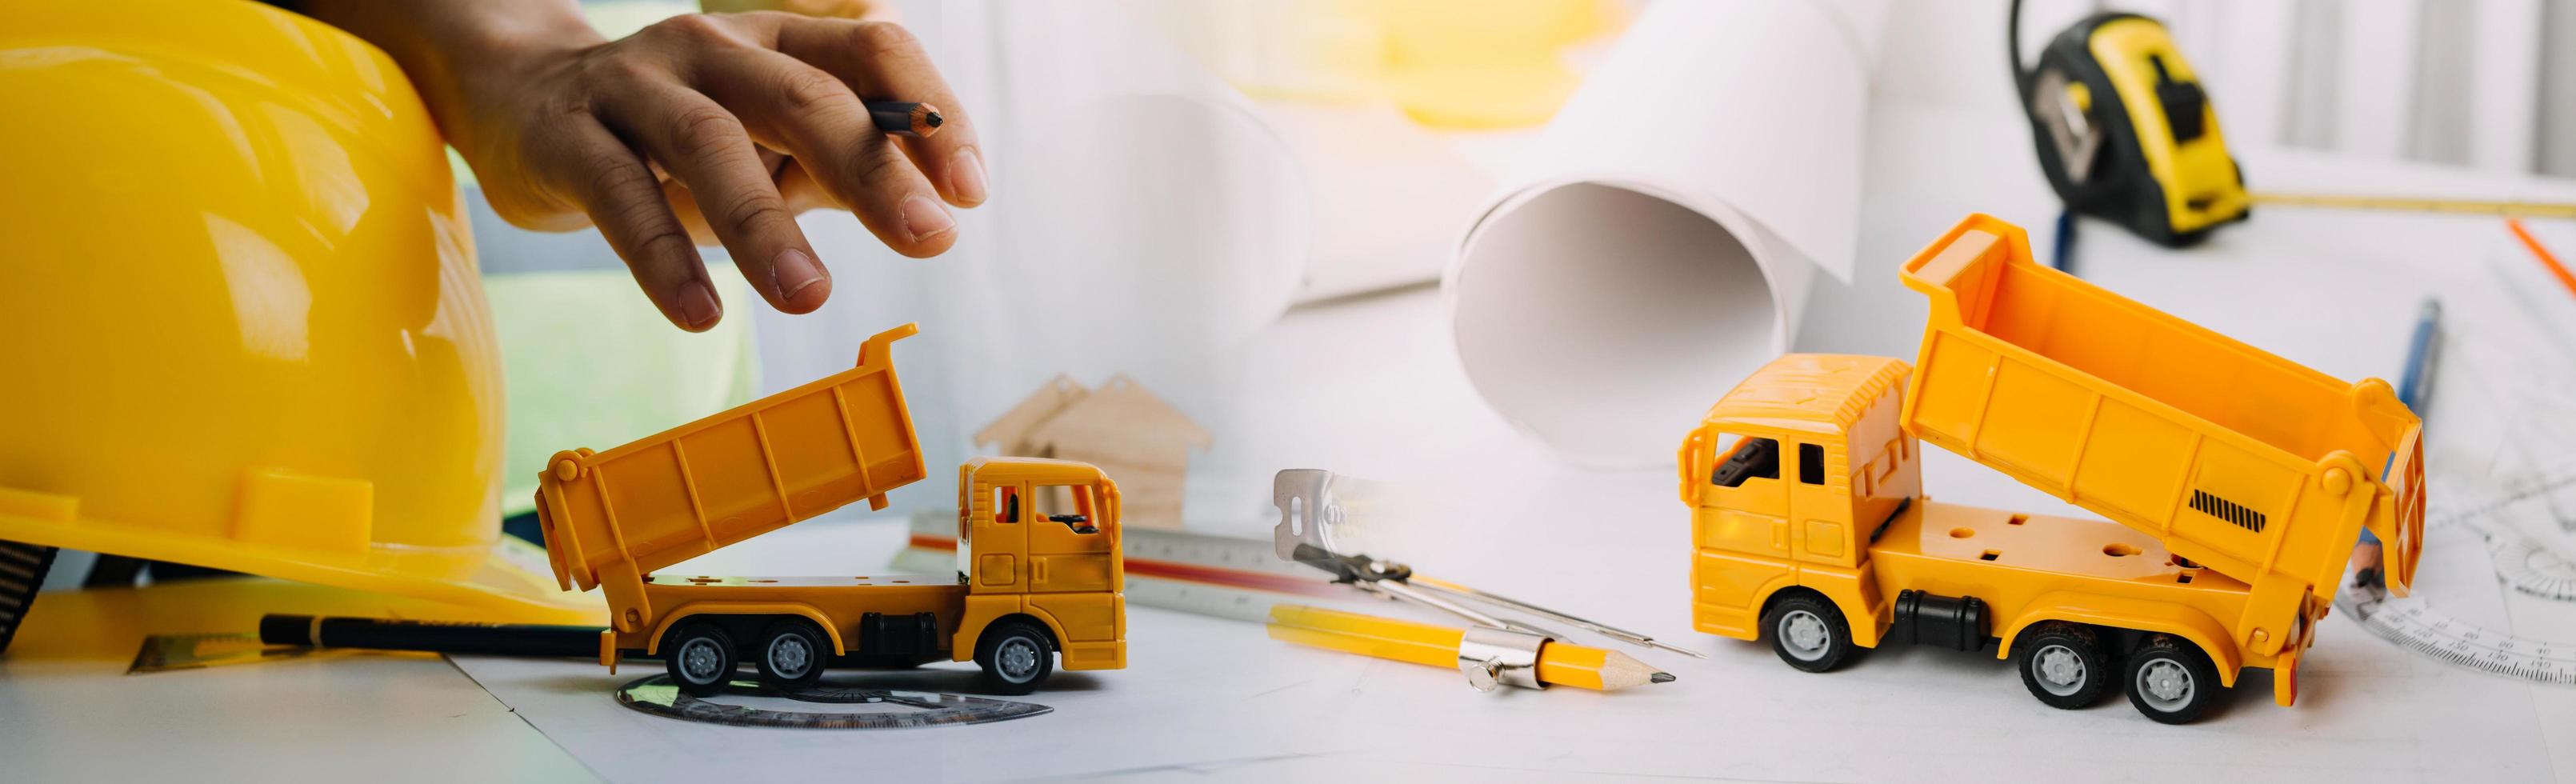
966, 176
698, 306
793, 271
923, 217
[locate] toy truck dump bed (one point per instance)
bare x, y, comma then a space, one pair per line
2235, 482
2247, 463
612, 517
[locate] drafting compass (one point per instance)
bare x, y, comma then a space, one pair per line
1310, 518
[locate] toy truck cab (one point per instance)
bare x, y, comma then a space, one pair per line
1038, 546
1775, 498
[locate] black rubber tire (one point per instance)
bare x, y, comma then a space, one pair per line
2080, 681
1827, 653
1017, 656
701, 658
795, 641
2161, 659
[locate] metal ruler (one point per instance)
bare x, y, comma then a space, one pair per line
1221, 576
658, 696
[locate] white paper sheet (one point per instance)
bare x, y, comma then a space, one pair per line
1660, 238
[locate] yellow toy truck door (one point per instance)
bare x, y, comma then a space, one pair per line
1071, 550
1068, 550
1820, 503
1000, 533
1744, 503
1740, 528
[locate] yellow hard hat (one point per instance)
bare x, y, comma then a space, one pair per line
245, 326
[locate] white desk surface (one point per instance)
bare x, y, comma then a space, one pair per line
1369, 388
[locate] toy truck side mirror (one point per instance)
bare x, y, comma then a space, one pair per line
1692, 462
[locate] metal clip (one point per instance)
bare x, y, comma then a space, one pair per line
2078, 140
1308, 512
1492, 658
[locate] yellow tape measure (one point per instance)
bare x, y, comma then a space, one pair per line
2125, 133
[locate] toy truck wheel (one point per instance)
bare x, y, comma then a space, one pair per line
2063, 664
1808, 632
791, 655
2171, 680
1016, 656
701, 658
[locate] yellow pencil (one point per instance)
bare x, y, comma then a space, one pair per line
1559, 664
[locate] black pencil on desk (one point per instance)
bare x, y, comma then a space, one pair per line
905, 118
384, 634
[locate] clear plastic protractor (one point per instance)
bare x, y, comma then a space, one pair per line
2505, 516
2413, 624
2528, 567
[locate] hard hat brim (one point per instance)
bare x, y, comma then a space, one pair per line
507, 582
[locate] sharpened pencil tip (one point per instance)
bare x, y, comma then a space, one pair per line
1661, 677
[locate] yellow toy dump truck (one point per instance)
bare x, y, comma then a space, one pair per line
2235, 482
1039, 569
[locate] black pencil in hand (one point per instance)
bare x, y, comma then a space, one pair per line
905, 118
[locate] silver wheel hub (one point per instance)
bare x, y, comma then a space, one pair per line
699, 658
2165, 684
790, 656
2060, 670
1018, 658
1804, 634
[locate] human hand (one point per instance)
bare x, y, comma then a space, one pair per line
701, 127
